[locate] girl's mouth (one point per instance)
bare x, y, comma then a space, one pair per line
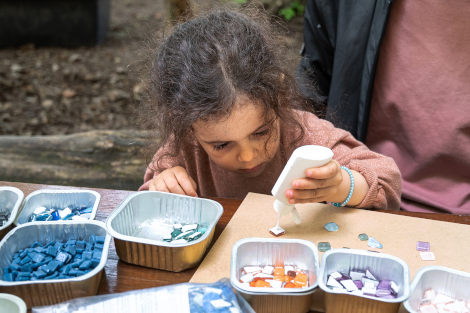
252, 170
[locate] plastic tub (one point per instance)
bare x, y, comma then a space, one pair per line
383, 266
264, 251
47, 292
11, 304
170, 208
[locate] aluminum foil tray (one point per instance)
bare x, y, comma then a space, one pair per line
10, 199
266, 251
57, 199
383, 266
452, 283
169, 208
47, 292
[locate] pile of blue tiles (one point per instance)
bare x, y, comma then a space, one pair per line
80, 213
55, 260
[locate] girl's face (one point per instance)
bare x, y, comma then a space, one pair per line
243, 142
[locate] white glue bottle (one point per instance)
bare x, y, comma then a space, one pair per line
302, 158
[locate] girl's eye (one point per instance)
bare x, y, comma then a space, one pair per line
221, 146
258, 134
262, 133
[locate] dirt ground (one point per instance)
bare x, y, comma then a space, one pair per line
52, 90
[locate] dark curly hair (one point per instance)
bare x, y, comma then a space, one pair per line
206, 63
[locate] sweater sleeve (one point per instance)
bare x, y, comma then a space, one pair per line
164, 162
381, 172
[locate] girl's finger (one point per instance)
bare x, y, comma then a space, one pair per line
310, 183
152, 185
160, 185
172, 184
186, 183
313, 200
193, 183
304, 196
327, 171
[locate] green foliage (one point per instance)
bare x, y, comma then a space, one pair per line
289, 12
295, 8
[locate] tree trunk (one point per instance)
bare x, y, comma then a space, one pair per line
100, 159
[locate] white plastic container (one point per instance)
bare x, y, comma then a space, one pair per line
11, 304
302, 158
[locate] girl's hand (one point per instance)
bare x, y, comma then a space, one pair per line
174, 180
328, 183
321, 184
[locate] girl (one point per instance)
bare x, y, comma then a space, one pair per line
230, 116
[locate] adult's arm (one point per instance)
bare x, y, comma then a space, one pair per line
342, 39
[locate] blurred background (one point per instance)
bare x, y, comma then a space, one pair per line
68, 87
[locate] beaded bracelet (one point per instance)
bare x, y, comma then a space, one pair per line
350, 191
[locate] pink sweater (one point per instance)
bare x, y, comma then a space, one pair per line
380, 172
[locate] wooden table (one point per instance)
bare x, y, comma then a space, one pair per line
120, 276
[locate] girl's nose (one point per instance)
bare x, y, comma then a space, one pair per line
246, 154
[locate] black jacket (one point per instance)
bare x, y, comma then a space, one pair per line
341, 47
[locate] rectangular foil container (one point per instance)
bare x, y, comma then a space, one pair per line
268, 251
10, 199
452, 283
383, 266
50, 198
47, 292
169, 208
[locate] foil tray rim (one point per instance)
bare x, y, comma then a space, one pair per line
261, 293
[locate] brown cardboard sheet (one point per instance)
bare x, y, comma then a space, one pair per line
398, 235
